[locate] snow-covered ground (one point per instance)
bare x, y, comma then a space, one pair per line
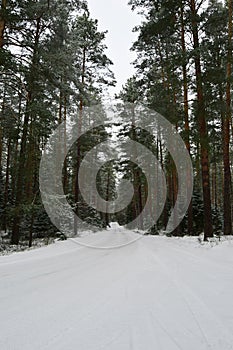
156, 294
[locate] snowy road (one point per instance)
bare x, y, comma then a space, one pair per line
156, 294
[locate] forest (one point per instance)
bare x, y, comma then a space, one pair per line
54, 66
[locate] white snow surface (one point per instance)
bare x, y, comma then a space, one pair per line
158, 293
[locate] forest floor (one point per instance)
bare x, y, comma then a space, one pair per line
158, 293
7, 248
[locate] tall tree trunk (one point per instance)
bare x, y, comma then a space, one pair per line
186, 111
226, 134
2, 22
214, 181
77, 191
1, 124
174, 185
201, 116
65, 173
30, 165
32, 221
136, 175
22, 155
6, 190
20, 180
1, 145
107, 215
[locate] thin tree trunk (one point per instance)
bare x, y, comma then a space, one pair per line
1, 145
1, 125
201, 115
6, 189
107, 199
214, 182
226, 134
2, 22
174, 184
65, 173
77, 191
30, 165
32, 221
186, 112
136, 174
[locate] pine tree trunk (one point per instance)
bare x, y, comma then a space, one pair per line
31, 228
1, 125
77, 191
2, 22
214, 182
186, 112
226, 134
137, 178
6, 189
201, 116
140, 203
32, 221
20, 180
65, 173
107, 216
14, 162
1, 144
22, 155
30, 165
174, 184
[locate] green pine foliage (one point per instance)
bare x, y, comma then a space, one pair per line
42, 83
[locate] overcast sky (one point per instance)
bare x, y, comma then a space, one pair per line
117, 17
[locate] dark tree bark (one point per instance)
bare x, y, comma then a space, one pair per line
186, 110
107, 215
6, 189
2, 22
22, 155
32, 221
226, 134
65, 172
202, 126
1, 128
77, 191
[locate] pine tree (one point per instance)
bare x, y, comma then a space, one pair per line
202, 123
226, 133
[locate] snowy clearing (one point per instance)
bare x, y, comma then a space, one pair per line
158, 293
